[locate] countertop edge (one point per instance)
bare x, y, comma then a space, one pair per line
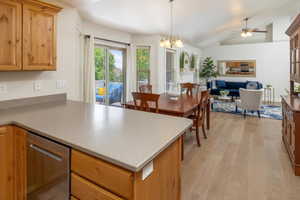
91, 153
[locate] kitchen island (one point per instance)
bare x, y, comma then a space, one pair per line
115, 153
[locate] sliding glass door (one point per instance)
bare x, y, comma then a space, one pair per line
110, 75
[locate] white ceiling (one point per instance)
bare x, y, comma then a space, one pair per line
196, 21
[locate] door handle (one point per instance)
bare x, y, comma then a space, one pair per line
45, 152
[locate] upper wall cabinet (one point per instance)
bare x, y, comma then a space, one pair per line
10, 35
28, 41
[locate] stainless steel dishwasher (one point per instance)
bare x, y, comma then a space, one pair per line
48, 169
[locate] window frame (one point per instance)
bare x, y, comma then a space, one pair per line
173, 69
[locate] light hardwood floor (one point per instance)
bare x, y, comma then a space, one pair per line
242, 159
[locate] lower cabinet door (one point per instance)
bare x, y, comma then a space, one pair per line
85, 190
6, 164
12, 163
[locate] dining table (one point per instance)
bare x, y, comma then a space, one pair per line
182, 105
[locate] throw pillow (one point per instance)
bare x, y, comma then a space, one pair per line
252, 85
220, 84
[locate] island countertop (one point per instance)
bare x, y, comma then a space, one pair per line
127, 138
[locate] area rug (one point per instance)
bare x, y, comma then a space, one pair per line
267, 111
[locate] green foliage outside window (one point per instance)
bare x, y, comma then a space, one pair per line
143, 64
115, 74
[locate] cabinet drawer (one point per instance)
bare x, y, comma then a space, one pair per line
110, 177
3, 130
85, 190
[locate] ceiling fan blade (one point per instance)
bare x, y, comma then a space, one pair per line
257, 31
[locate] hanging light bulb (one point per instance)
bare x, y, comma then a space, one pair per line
179, 43
171, 41
249, 34
244, 34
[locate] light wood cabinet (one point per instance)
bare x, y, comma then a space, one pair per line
39, 36
93, 178
12, 163
28, 35
6, 163
10, 35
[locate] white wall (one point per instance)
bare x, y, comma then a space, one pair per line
190, 76
20, 84
280, 25
158, 61
272, 62
70, 31
106, 33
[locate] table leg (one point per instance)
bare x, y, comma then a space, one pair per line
208, 115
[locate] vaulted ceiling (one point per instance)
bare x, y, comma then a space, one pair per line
196, 21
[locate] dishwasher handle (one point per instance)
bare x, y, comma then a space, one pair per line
45, 152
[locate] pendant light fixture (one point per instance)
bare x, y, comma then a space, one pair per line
171, 41
247, 32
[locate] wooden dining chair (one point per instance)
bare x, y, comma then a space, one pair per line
145, 88
189, 87
144, 100
198, 116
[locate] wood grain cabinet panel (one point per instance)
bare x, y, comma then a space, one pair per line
12, 163
20, 163
28, 35
6, 163
93, 178
39, 37
85, 190
10, 35
106, 175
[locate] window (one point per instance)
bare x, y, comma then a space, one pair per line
143, 65
170, 69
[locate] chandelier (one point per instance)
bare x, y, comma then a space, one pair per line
171, 41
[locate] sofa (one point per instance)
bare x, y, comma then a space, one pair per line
233, 87
115, 93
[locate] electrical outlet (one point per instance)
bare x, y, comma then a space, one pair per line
37, 86
3, 88
64, 83
60, 84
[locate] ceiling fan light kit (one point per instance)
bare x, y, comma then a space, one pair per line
246, 32
171, 41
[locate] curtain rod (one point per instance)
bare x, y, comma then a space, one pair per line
107, 40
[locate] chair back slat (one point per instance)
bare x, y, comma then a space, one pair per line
189, 87
145, 88
144, 100
201, 108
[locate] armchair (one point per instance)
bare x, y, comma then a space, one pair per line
250, 100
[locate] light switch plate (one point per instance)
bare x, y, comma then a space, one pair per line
147, 170
3, 88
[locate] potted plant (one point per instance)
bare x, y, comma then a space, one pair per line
208, 69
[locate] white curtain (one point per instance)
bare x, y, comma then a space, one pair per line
89, 91
130, 73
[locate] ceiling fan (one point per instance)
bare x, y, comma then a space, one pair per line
247, 32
